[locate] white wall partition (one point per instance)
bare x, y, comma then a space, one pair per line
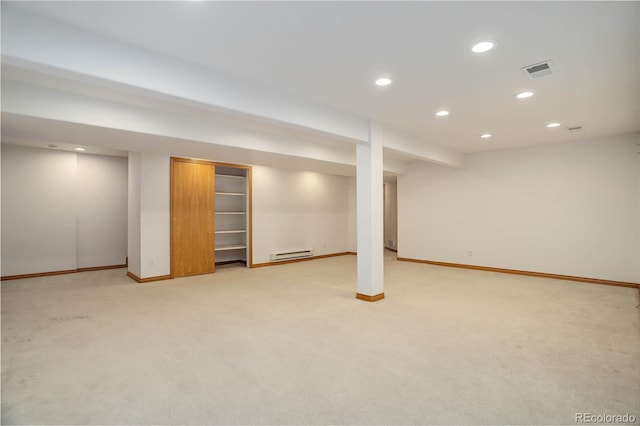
133, 214
299, 210
569, 208
155, 216
61, 210
149, 244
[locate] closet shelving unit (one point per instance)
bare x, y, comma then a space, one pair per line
231, 218
210, 215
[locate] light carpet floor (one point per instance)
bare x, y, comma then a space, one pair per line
291, 345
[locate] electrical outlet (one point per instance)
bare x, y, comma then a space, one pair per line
152, 262
470, 252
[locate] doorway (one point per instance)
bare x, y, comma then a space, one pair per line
391, 214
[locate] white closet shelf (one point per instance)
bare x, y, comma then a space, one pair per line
238, 194
231, 212
230, 247
231, 231
229, 176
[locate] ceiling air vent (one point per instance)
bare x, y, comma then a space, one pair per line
574, 129
538, 70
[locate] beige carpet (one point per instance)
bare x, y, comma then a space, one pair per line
291, 345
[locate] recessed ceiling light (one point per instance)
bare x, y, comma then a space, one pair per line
79, 149
383, 81
524, 95
483, 46
552, 125
442, 113
485, 135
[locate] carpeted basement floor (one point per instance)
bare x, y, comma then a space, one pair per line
291, 345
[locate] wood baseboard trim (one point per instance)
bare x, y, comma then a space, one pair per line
149, 279
391, 249
63, 272
38, 274
100, 268
352, 253
368, 298
304, 259
527, 273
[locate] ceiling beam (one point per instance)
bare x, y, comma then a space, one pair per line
77, 54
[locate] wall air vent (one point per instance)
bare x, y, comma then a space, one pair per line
539, 70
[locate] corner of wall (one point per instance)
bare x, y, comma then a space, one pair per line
133, 213
352, 241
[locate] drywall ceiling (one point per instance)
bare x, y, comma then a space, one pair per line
330, 53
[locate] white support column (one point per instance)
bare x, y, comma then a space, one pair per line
370, 209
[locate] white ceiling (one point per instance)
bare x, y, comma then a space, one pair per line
330, 53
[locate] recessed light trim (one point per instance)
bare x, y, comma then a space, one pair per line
442, 113
79, 149
383, 81
486, 135
553, 125
483, 46
524, 95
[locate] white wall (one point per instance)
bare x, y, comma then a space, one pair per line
38, 210
101, 210
390, 214
155, 218
299, 210
149, 242
291, 210
568, 208
58, 214
352, 224
133, 214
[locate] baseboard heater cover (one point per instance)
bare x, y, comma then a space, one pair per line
275, 257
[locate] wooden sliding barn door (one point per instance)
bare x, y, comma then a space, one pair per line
192, 217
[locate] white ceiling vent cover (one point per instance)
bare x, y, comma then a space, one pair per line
538, 70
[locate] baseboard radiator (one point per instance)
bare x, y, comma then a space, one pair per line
275, 257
